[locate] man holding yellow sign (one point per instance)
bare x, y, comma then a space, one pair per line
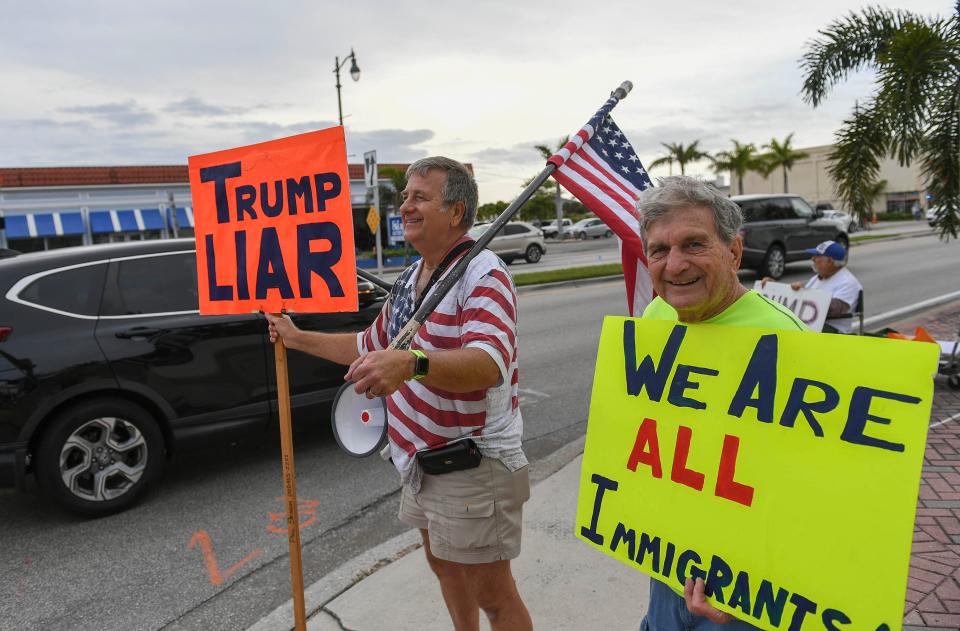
734, 463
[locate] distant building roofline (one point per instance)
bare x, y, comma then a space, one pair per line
72, 176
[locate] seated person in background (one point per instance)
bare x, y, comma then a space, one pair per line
831, 276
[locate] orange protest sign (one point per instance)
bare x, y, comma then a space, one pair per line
274, 226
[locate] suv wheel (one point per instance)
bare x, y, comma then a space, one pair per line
607, 234
533, 254
774, 262
582, 236
100, 456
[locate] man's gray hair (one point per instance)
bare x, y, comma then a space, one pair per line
682, 191
459, 187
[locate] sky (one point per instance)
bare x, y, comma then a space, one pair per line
104, 82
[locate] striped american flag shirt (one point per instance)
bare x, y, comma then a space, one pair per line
480, 311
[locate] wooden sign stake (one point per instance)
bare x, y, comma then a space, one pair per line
290, 484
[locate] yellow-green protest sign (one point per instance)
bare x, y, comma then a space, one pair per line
780, 467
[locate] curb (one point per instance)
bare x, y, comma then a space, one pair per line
593, 280
899, 237
896, 314
328, 588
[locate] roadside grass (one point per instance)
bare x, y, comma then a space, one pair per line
870, 237
574, 273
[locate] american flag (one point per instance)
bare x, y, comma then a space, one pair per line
603, 171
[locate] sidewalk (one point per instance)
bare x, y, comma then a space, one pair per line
567, 585
933, 593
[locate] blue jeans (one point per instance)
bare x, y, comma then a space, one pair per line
668, 612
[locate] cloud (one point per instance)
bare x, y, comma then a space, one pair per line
522, 153
126, 114
193, 106
392, 145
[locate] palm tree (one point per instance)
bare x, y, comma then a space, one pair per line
739, 161
783, 155
547, 152
871, 192
682, 155
914, 112
398, 180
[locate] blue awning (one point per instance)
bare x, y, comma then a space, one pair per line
151, 219
17, 227
184, 217
72, 223
136, 220
102, 221
37, 225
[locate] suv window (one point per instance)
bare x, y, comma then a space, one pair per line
154, 284
516, 228
74, 290
771, 209
801, 207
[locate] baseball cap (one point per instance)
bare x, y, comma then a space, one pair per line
828, 248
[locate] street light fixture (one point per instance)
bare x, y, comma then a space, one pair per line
354, 74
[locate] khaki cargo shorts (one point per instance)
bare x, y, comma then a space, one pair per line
472, 516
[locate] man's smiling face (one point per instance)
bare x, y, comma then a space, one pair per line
692, 269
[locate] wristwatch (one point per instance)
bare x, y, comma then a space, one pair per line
421, 365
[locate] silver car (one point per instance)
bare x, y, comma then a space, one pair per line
843, 220
514, 240
591, 228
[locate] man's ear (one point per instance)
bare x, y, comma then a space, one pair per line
736, 250
457, 212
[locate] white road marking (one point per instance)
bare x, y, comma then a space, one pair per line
946, 420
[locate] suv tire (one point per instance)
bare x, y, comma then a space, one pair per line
774, 262
582, 236
533, 254
100, 456
607, 234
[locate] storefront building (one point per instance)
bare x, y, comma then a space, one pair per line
52, 207
811, 179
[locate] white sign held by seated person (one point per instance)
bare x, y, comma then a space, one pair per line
810, 305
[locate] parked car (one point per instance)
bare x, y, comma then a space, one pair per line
514, 240
591, 228
932, 216
778, 229
844, 221
550, 228
107, 369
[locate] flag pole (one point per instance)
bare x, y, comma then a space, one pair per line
405, 336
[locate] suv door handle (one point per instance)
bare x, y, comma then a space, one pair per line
138, 333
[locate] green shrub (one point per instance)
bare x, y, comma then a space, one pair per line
894, 217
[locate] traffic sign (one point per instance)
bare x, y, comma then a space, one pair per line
370, 169
373, 219
395, 228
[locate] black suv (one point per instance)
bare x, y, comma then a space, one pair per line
777, 229
106, 367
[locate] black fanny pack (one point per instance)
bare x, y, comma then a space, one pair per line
463, 454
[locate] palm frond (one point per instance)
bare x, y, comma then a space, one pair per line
940, 157
847, 45
855, 158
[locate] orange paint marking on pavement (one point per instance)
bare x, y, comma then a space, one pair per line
213, 569
278, 521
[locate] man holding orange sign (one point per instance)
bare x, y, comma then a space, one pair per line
453, 394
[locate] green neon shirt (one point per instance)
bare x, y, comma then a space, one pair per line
751, 309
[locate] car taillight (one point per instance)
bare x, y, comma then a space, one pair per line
5, 332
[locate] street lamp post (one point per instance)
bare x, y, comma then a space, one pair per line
354, 73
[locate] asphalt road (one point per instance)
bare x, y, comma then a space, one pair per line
206, 550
